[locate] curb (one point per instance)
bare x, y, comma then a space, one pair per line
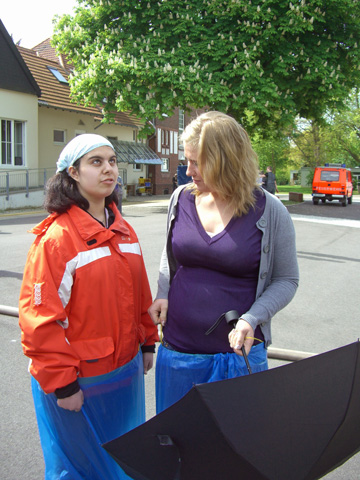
126, 202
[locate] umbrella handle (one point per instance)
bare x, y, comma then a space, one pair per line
246, 359
231, 317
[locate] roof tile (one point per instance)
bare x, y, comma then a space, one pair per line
55, 94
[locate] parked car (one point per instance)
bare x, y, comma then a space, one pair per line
332, 183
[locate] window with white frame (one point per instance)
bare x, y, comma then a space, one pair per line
59, 136
79, 132
12, 135
181, 129
165, 142
137, 167
165, 165
181, 155
181, 121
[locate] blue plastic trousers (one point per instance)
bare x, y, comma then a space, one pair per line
71, 441
177, 372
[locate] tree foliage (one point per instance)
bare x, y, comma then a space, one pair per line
336, 141
344, 132
258, 60
272, 149
309, 145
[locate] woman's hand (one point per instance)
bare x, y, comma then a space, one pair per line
158, 311
242, 334
148, 361
73, 403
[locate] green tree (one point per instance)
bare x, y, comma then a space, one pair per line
272, 150
336, 140
263, 60
308, 143
344, 132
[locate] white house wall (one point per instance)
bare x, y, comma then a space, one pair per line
40, 150
133, 175
22, 107
72, 124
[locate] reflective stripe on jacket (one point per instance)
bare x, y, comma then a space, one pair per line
84, 298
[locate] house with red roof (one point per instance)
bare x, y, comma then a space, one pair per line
38, 118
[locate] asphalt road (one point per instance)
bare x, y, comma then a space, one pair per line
324, 314
327, 210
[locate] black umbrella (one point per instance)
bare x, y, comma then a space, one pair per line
298, 422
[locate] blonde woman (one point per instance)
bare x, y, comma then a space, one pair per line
230, 246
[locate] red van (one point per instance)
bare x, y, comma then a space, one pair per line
332, 183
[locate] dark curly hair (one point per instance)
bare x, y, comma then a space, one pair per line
62, 192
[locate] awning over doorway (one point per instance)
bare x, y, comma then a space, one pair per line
149, 161
132, 152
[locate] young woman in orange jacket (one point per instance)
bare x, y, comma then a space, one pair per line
83, 315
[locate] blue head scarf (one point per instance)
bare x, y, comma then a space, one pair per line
78, 147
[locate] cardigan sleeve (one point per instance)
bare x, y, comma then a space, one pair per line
279, 272
167, 261
150, 330
164, 276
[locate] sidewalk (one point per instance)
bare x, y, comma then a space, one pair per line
147, 199
130, 200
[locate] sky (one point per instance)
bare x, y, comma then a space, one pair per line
31, 20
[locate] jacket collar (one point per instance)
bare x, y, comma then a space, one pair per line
86, 225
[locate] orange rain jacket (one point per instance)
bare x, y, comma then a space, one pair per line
84, 298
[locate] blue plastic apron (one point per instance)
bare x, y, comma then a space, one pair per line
177, 372
114, 404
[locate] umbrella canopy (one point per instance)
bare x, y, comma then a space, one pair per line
298, 421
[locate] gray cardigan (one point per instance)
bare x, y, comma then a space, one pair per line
278, 272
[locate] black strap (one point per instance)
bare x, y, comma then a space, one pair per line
215, 325
231, 317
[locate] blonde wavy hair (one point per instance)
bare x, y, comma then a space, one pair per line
226, 159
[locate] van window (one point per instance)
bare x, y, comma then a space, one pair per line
329, 176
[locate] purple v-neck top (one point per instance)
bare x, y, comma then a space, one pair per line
214, 275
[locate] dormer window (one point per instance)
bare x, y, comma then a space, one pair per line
58, 75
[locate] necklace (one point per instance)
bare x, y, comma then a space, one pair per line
103, 219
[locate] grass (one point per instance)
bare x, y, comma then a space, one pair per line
293, 188
300, 189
